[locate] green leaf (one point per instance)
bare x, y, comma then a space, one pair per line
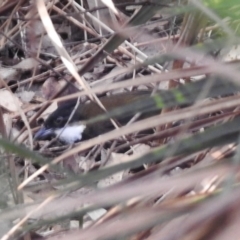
22, 151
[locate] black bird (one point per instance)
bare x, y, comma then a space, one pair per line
75, 130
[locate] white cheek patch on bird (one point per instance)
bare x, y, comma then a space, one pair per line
70, 134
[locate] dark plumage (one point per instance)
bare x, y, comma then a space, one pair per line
58, 119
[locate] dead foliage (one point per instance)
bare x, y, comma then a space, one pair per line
170, 176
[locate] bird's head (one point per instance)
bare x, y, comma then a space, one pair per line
69, 130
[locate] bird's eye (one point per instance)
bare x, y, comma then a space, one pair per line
59, 121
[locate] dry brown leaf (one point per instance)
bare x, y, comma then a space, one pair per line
26, 64
26, 96
49, 110
36, 32
50, 87
8, 101
141, 148
95, 215
8, 74
115, 158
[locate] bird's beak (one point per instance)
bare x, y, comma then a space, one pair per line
44, 134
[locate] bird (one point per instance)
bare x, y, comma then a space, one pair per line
71, 130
